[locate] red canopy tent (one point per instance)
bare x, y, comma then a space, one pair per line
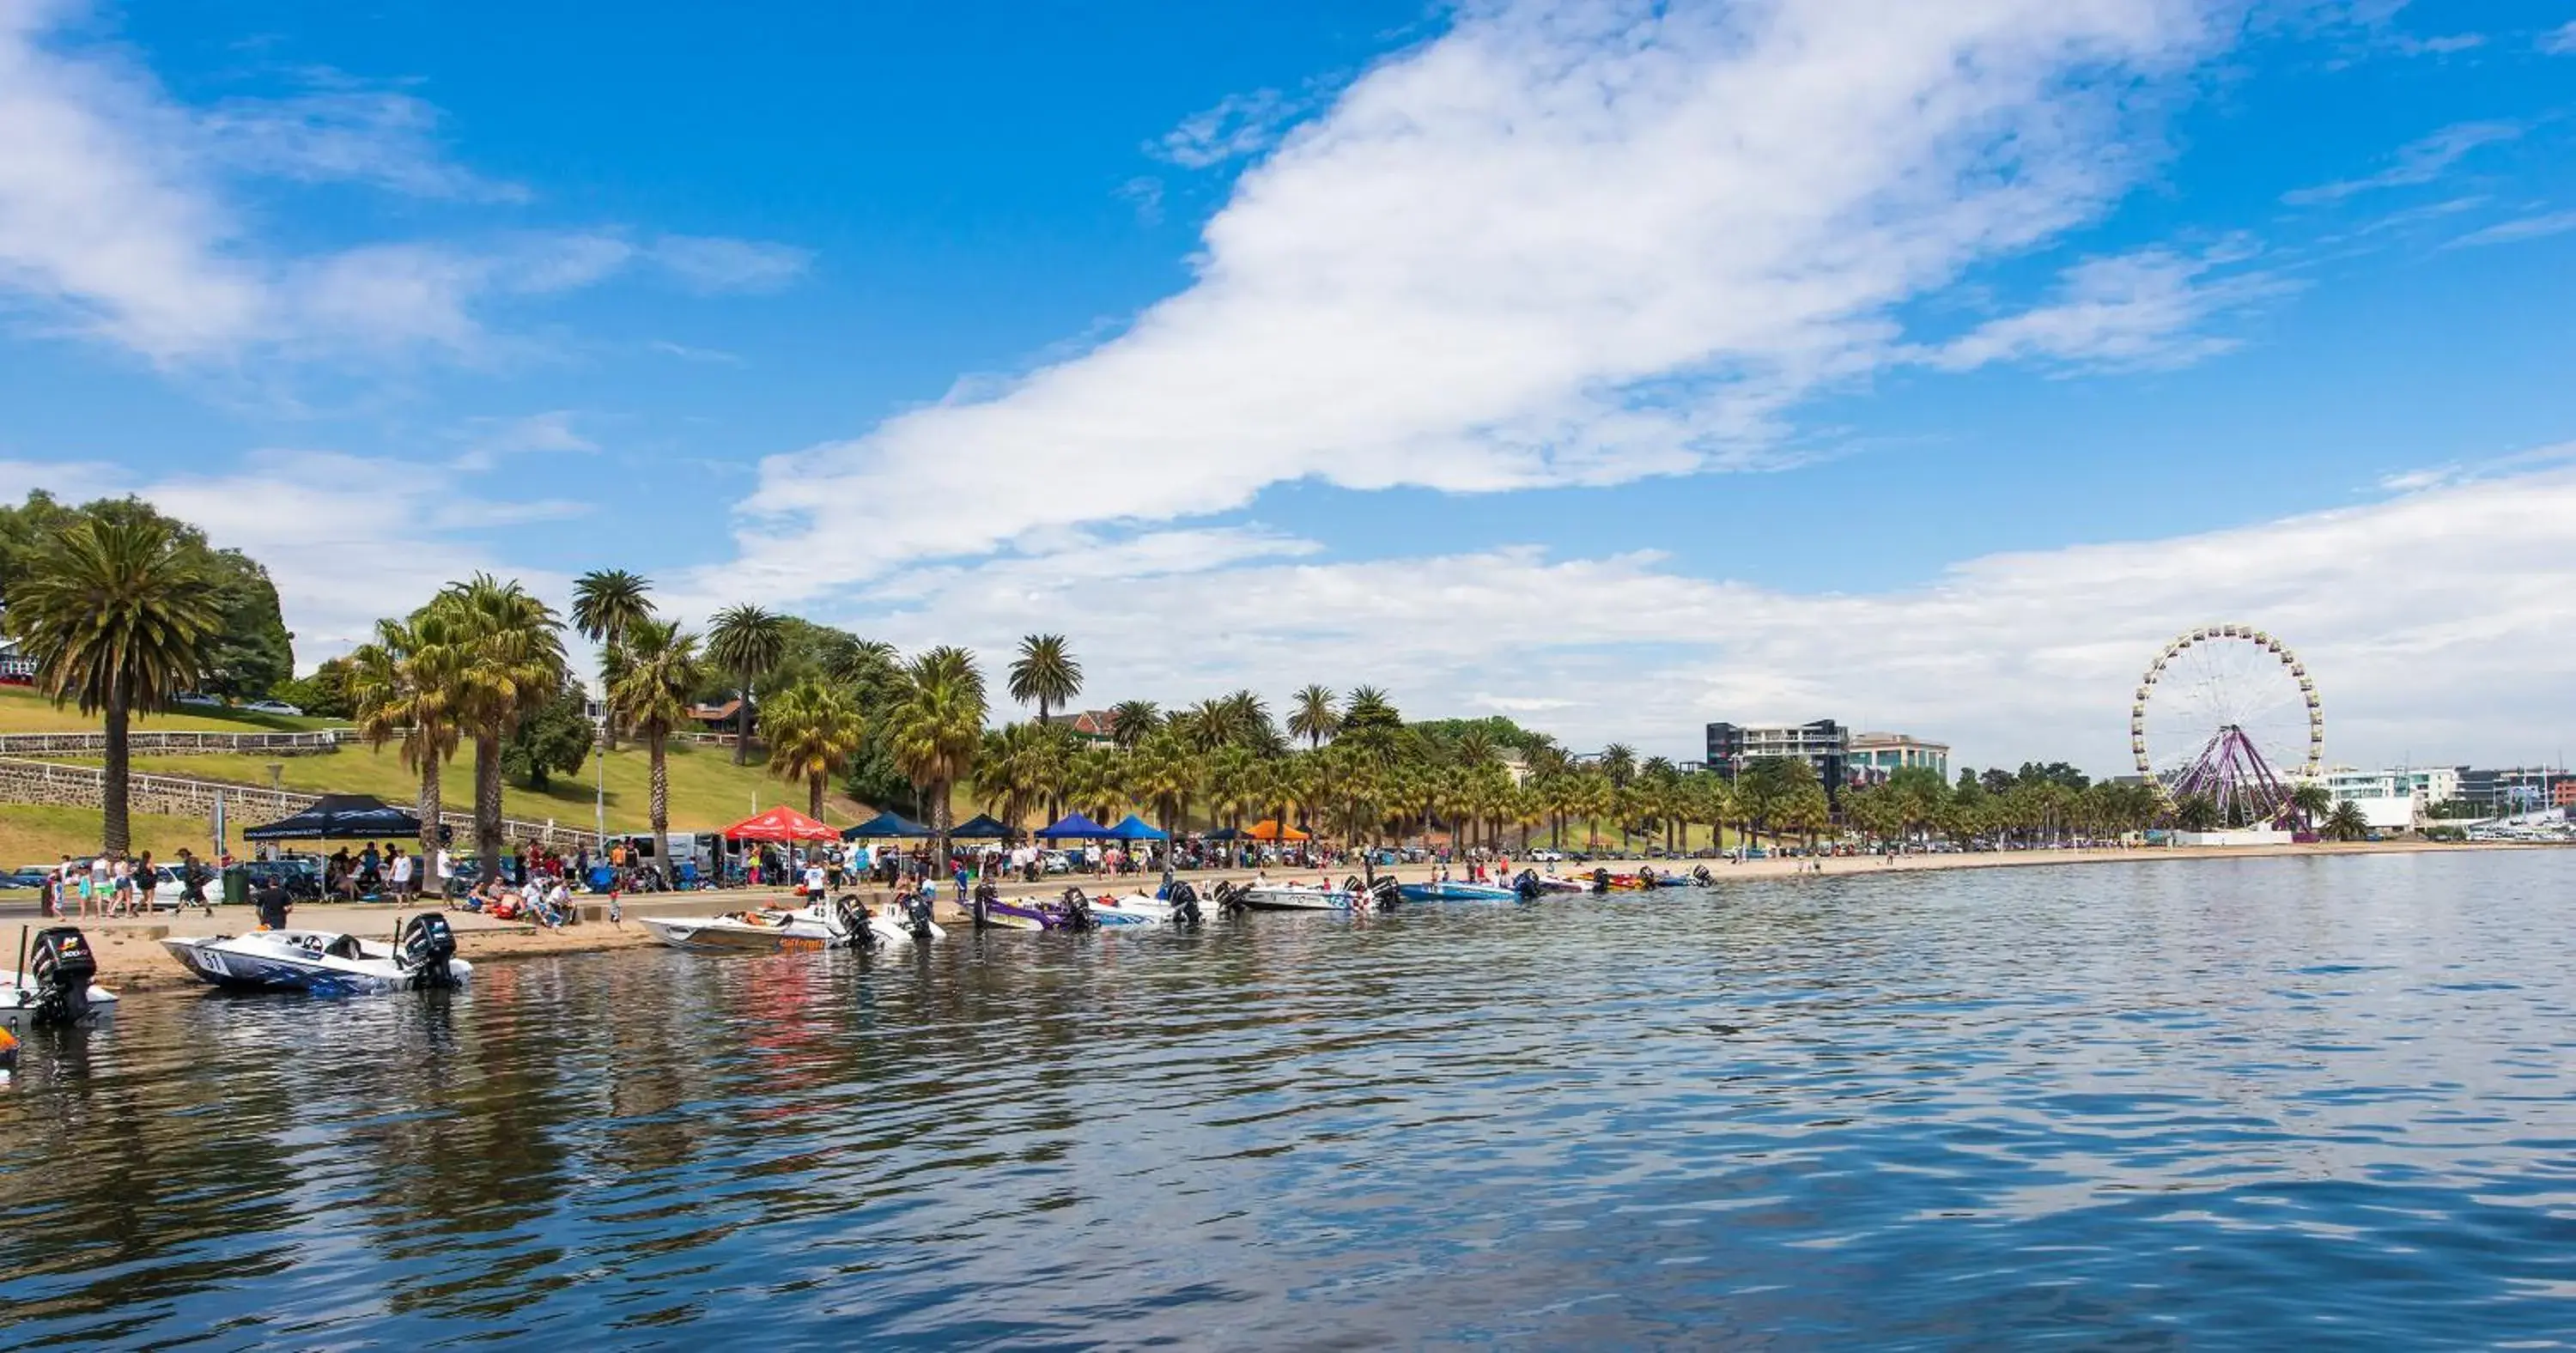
784, 825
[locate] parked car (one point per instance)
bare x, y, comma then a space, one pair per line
273, 707
200, 700
28, 876
1547, 856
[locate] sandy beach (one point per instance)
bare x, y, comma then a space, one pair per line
133, 962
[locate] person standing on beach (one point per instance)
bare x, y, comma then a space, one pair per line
272, 902
446, 872
147, 880
400, 865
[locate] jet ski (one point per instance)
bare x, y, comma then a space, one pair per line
326, 962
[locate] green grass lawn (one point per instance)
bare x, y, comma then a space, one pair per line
33, 835
707, 790
24, 711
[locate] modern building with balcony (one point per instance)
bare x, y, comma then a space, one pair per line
1873, 757
1824, 744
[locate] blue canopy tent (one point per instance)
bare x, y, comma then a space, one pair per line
883, 826
1075, 826
1135, 828
981, 827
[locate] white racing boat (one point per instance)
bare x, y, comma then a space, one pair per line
1353, 895
55, 986
326, 962
843, 924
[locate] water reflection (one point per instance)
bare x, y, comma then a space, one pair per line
2312, 1100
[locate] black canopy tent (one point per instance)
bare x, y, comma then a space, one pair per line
981, 827
885, 826
341, 817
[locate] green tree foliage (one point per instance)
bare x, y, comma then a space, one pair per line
250, 651
551, 739
114, 613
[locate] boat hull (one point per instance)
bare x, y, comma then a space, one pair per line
1456, 892
247, 964
1275, 898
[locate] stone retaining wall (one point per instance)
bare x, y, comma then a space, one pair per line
43, 782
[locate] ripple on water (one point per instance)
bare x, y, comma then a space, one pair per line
2323, 1101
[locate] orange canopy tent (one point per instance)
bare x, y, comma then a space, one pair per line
1270, 830
783, 825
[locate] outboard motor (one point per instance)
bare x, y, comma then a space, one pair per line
1077, 913
917, 909
1383, 892
1228, 898
423, 949
1703, 878
1527, 885
979, 911
1185, 906
62, 969
1600, 880
850, 915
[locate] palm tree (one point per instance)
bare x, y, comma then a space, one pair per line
938, 728
606, 603
1133, 721
1045, 674
2312, 802
1164, 774
748, 642
1247, 723
2347, 822
2196, 813
650, 694
812, 730
406, 683
117, 616
512, 662
1314, 716
1018, 767
1095, 782
1619, 762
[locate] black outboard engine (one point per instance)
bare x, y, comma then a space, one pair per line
1703, 878
423, 949
1185, 906
1527, 885
917, 909
1600, 880
1384, 892
850, 915
1077, 913
979, 910
1228, 898
62, 968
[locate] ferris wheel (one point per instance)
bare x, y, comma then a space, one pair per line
2229, 714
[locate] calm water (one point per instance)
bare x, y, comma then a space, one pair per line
2215, 1105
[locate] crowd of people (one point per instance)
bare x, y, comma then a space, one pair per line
117, 884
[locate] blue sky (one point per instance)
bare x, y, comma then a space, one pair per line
1618, 367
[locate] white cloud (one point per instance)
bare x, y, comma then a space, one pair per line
2515, 232
117, 220
1239, 125
348, 539
1561, 244
377, 137
2560, 41
488, 440
1145, 193
2142, 310
2435, 624
708, 263
2420, 161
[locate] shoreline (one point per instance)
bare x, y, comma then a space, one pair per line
133, 963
